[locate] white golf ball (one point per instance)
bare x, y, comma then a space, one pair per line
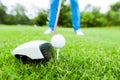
58, 41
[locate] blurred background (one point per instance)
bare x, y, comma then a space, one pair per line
94, 13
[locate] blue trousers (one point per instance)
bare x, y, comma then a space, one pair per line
75, 14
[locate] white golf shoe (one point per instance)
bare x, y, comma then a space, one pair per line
79, 32
48, 31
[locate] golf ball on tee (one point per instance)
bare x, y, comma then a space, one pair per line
58, 41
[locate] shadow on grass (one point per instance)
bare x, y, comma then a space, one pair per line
27, 60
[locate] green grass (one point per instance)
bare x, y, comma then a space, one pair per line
94, 56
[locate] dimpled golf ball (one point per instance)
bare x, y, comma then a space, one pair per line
58, 41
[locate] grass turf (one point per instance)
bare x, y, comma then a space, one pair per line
93, 56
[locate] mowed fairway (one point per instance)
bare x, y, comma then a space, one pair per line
96, 55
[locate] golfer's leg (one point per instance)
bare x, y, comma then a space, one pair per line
75, 14
52, 14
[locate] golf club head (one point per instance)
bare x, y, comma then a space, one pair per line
34, 50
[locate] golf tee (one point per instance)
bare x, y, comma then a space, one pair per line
58, 50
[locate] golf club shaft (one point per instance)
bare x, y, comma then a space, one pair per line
57, 16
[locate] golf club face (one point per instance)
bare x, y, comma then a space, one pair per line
47, 51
